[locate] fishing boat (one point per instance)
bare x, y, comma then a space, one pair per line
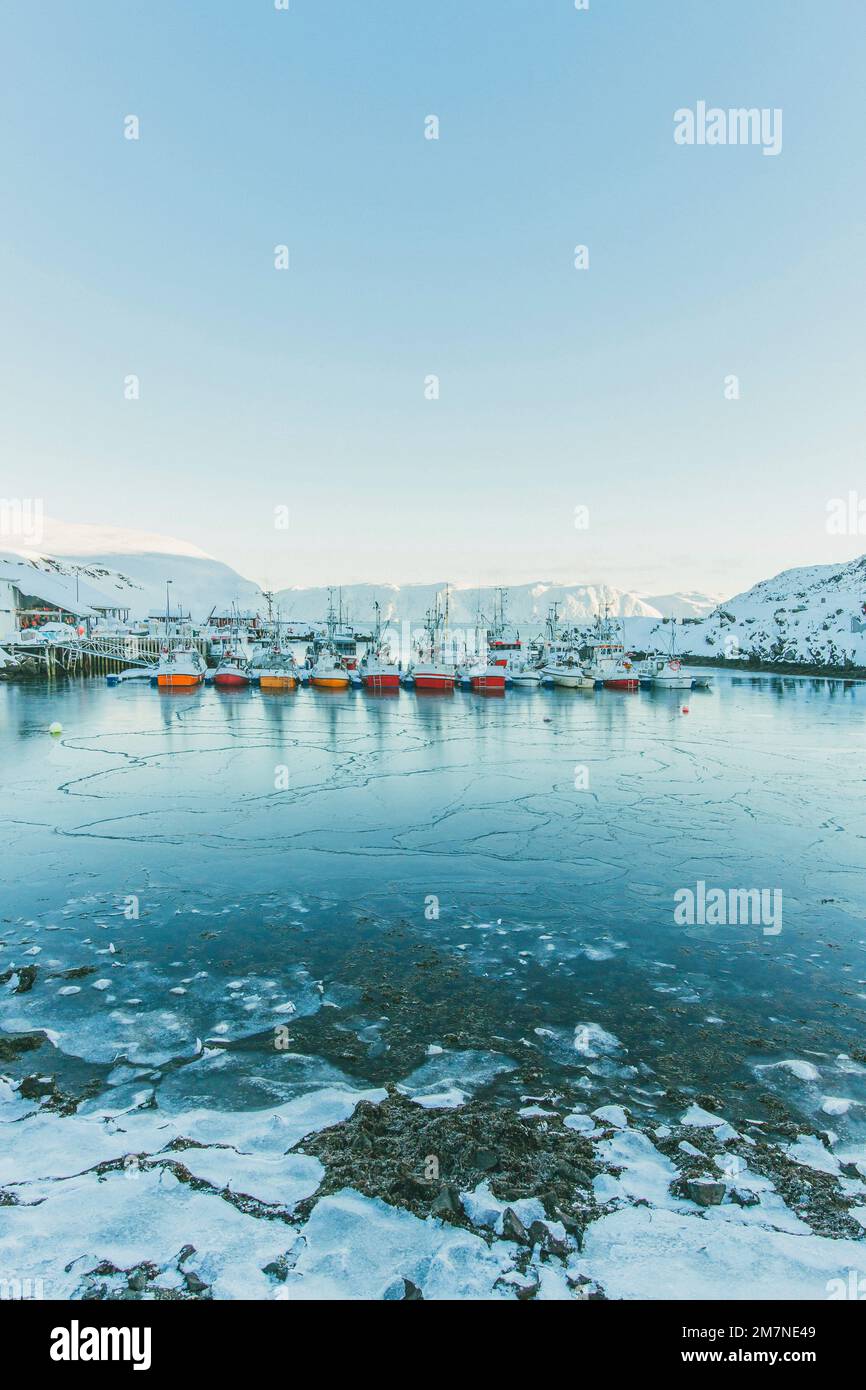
504, 636
668, 673
180, 664
610, 664
569, 674
272, 663
563, 665
337, 634
328, 673
376, 670
233, 672
480, 667
435, 668
327, 669
277, 671
522, 674
486, 676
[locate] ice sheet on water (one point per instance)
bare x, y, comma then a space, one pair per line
49, 1145
700, 1118
276, 1076
447, 1079
277, 1128
282, 1179
12, 1104
126, 1220
646, 1174
648, 1253
802, 1070
810, 1153
356, 1247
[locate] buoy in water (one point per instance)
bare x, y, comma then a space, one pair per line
685, 709
55, 728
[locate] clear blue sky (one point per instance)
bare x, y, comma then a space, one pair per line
410, 257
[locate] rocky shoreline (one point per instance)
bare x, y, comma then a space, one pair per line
533, 1187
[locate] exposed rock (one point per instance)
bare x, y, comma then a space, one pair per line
540, 1234
447, 1202
706, 1191
513, 1228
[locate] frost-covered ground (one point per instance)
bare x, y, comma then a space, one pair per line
421, 1021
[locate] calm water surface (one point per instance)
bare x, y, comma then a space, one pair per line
481, 874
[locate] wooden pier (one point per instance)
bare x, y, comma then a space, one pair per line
97, 656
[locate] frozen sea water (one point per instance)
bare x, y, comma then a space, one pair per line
225, 941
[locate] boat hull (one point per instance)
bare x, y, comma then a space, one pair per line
277, 682
672, 682
488, 681
329, 682
230, 680
381, 680
177, 680
569, 678
622, 683
432, 682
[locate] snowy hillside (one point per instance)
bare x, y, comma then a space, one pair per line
198, 584
816, 614
89, 565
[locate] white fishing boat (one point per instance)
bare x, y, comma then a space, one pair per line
272, 664
563, 665
521, 673
667, 672
570, 675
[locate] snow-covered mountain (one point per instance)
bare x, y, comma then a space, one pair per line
527, 604
89, 564
812, 615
